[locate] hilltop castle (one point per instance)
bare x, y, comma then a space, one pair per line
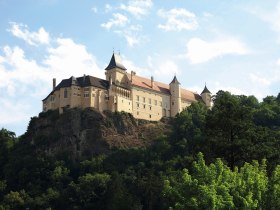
144, 98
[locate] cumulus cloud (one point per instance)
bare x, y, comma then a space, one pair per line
178, 20
26, 82
118, 20
69, 58
124, 25
137, 8
200, 51
33, 38
132, 35
167, 68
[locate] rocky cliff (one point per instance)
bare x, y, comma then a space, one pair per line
84, 133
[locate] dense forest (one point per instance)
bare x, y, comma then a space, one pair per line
224, 158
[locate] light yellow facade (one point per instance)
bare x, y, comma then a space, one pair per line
143, 98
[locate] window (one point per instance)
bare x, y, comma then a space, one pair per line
86, 89
144, 106
128, 103
172, 103
150, 101
65, 93
150, 116
137, 98
150, 108
137, 113
160, 103
86, 94
144, 99
138, 105
155, 102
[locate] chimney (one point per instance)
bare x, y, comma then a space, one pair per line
132, 74
152, 81
84, 79
54, 83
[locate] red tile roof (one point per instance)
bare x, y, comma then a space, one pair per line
161, 87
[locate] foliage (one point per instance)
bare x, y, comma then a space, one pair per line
223, 158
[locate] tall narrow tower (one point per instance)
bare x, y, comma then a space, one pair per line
175, 99
206, 97
115, 71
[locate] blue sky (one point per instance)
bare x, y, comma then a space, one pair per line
231, 45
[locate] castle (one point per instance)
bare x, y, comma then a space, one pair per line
143, 97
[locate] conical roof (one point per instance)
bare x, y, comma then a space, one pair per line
205, 90
175, 81
115, 62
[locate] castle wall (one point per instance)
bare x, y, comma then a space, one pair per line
150, 105
185, 104
75, 96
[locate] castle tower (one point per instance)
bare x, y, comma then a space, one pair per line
175, 99
115, 71
206, 97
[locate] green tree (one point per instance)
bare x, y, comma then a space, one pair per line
188, 134
88, 192
218, 187
229, 126
16, 200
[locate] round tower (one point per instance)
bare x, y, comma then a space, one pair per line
175, 98
206, 97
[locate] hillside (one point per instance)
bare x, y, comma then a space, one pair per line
85, 133
226, 157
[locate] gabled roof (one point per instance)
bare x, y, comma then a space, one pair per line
175, 81
146, 83
84, 81
205, 90
115, 62
163, 88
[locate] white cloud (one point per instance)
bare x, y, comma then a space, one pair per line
234, 90
132, 35
200, 51
272, 17
108, 8
19, 111
278, 62
260, 80
94, 9
137, 8
70, 58
167, 69
26, 82
33, 38
118, 20
178, 20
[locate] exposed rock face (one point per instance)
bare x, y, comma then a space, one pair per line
84, 133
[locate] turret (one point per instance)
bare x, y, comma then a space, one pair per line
116, 70
175, 98
206, 97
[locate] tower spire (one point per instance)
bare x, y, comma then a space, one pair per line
115, 62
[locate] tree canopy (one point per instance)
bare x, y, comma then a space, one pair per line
226, 157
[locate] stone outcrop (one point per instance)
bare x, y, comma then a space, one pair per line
79, 134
